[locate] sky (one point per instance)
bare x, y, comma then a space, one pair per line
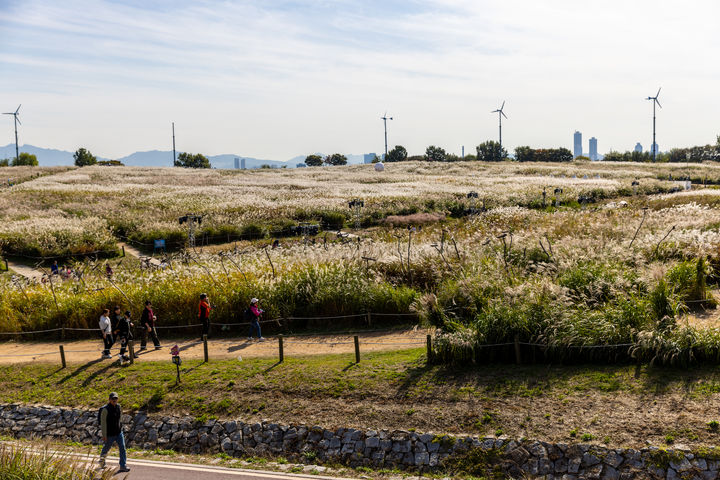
275, 79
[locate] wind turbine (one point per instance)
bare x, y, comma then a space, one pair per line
385, 118
655, 100
501, 114
17, 120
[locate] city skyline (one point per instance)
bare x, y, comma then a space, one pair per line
275, 80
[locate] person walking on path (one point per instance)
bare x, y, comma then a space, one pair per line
116, 319
106, 330
125, 326
204, 314
111, 428
254, 313
147, 323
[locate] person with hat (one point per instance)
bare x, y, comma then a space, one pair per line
111, 429
255, 312
204, 314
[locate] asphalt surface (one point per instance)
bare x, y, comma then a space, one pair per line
155, 470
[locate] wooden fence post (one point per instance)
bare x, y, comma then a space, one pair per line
369, 319
281, 354
429, 350
357, 349
518, 357
131, 349
205, 347
62, 356
123, 250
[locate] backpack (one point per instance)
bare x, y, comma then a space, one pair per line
100, 415
248, 315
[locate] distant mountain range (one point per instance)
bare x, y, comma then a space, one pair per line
48, 157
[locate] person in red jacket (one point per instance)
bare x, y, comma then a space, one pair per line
204, 314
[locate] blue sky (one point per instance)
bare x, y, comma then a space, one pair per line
275, 79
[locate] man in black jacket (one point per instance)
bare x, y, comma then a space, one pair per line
110, 416
124, 327
147, 323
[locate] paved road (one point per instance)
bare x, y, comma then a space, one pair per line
155, 470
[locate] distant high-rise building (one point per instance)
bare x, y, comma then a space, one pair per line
242, 163
654, 149
593, 149
301, 165
369, 157
577, 144
638, 147
463, 151
237, 163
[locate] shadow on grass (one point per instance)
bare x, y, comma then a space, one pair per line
50, 374
79, 370
90, 378
271, 367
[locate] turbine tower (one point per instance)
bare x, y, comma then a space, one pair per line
501, 114
654, 100
17, 120
385, 118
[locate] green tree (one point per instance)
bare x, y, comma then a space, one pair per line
4, 162
83, 157
25, 159
435, 154
491, 151
313, 160
192, 160
524, 154
397, 154
336, 159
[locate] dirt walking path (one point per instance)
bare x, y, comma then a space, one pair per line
82, 351
130, 250
24, 270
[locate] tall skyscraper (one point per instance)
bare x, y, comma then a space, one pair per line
654, 149
577, 144
369, 157
242, 163
638, 147
237, 163
593, 149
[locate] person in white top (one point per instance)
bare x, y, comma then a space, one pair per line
106, 330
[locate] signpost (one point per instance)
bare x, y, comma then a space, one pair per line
175, 352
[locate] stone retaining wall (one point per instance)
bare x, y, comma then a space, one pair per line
387, 449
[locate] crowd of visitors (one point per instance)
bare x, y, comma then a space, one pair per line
119, 326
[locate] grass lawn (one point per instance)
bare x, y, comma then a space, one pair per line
624, 405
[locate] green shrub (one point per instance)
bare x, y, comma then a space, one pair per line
252, 231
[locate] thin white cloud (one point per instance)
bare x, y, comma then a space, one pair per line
273, 80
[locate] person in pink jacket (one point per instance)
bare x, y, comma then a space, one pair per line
255, 312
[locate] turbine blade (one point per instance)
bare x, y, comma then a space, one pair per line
503, 114
18, 109
658, 93
656, 101
18, 119
502, 106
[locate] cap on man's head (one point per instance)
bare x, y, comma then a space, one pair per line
254, 300
113, 396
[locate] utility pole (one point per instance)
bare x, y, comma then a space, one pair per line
385, 118
173, 131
